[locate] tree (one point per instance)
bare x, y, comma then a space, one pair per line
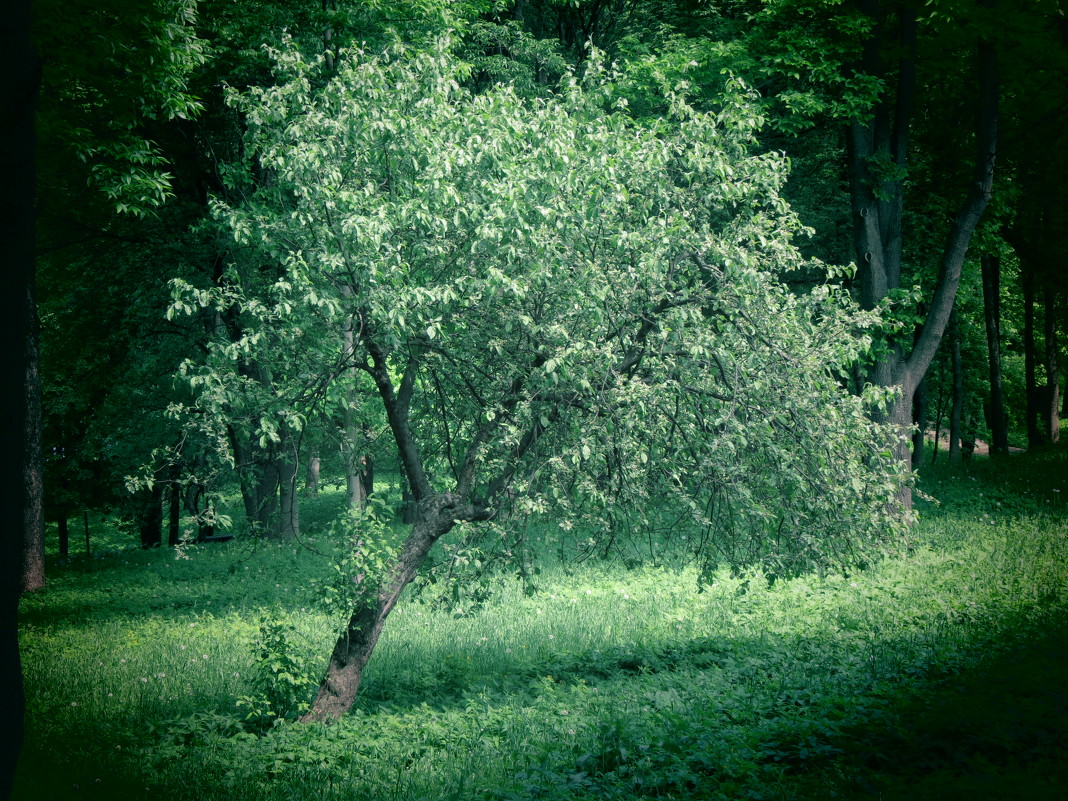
552, 306
17, 157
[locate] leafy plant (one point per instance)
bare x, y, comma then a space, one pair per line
281, 683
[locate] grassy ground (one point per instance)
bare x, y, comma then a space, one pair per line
936, 675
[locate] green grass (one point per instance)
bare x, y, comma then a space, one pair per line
607, 683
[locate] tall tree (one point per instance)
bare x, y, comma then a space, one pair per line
878, 162
550, 304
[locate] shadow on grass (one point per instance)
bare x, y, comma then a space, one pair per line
997, 732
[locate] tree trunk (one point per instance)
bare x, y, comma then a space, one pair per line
997, 418
958, 394
877, 203
174, 507
18, 94
150, 516
311, 477
64, 535
33, 565
289, 499
1034, 433
1051, 419
438, 514
919, 419
85, 521
940, 409
259, 475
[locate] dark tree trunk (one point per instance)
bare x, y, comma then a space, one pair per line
85, 521
33, 565
940, 410
958, 394
997, 418
18, 93
150, 516
289, 500
919, 410
1034, 433
1051, 419
311, 477
174, 507
64, 535
259, 475
878, 201
438, 514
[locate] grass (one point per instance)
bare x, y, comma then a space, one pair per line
938, 674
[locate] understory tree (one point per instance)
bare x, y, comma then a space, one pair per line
550, 308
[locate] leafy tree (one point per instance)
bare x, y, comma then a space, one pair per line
556, 309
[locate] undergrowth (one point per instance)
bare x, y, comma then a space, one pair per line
159, 677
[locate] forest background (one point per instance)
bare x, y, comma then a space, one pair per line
285, 245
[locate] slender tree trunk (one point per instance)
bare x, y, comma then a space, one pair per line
438, 515
311, 476
289, 499
919, 419
958, 394
940, 409
18, 95
85, 521
33, 565
1034, 433
174, 507
919, 409
997, 418
149, 516
1051, 402
64, 535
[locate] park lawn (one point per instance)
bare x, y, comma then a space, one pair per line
936, 673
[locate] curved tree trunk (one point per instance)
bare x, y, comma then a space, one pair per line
878, 202
438, 514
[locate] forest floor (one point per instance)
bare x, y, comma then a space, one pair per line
939, 673
996, 733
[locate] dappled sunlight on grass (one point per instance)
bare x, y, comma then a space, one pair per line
606, 682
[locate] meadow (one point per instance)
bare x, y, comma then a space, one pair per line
939, 672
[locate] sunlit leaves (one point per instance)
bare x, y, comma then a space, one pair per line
588, 307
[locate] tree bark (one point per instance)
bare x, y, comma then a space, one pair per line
289, 499
1051, 401
33, 564
919, 419
174, 506
149, 516
877, 204
958, 393
18, 95
438, 515
311, 477
1035, 438
997, 418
